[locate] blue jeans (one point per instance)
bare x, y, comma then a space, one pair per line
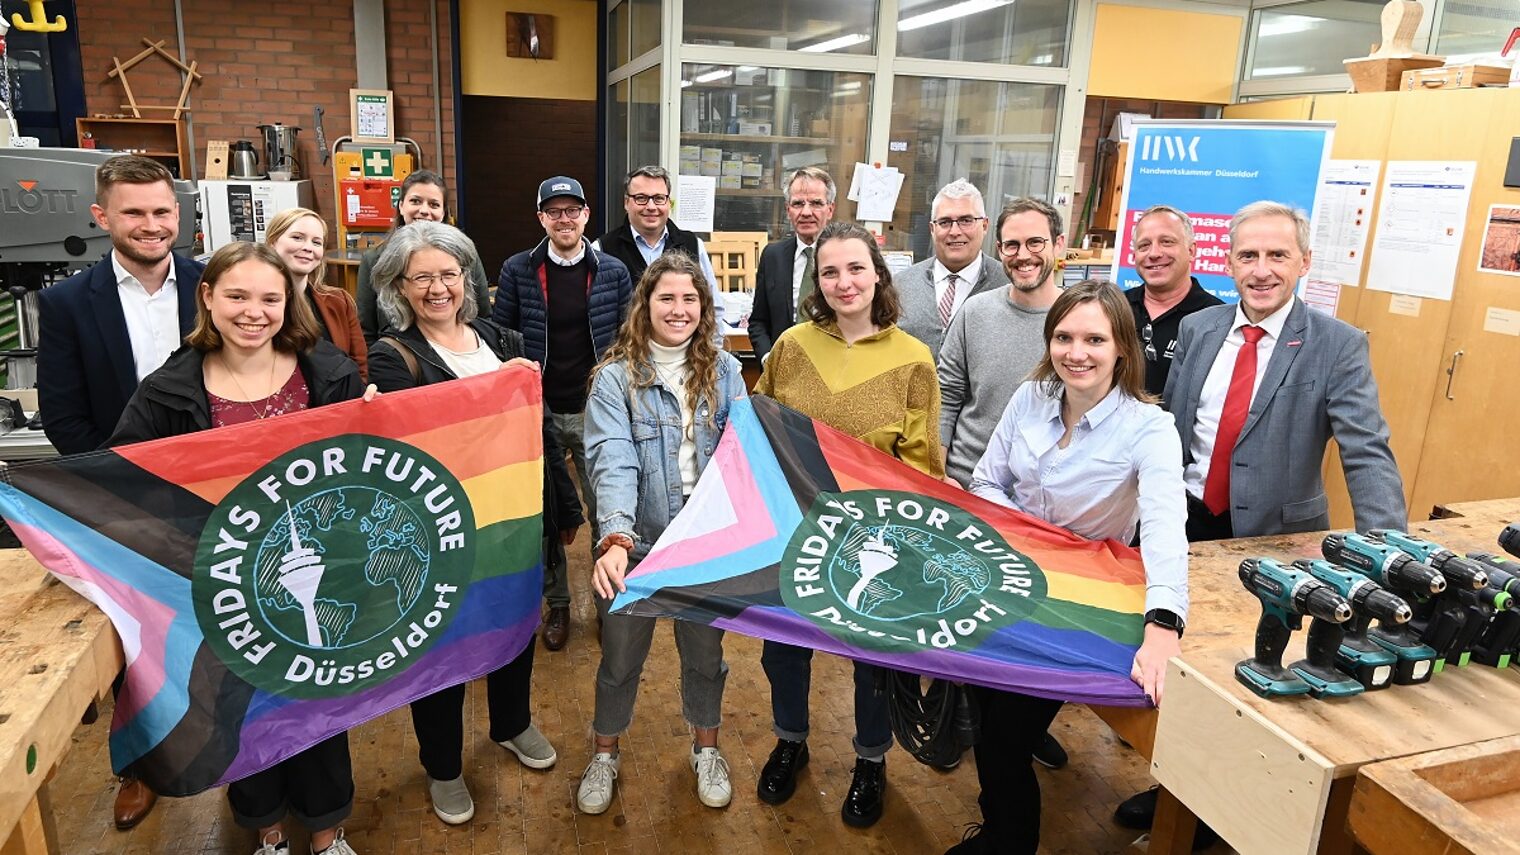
569, 432
790, 671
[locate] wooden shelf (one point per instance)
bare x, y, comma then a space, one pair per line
160, 139
756, 138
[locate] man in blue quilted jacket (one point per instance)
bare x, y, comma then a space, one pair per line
568, 301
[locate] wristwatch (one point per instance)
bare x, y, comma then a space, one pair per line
1168, 619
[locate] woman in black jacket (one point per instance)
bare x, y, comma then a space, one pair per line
256, 352
422, 288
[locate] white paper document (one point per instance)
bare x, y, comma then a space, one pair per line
874, 190
1419, 227
1343, 221
696, 197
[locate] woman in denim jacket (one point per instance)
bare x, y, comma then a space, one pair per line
659, 401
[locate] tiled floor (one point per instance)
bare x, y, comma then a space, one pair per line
519, 810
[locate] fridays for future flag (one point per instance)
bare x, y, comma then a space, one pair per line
278, 582
799, 533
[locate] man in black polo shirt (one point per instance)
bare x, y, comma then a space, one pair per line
647, 232
1163, 246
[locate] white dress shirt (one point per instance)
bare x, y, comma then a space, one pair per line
966, 280
649, 252
1217, 384
152, 319
1123, 465
555, 257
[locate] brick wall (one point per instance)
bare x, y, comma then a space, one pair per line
270, 62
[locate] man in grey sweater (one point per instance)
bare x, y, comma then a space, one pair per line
934, 290
993, 343
998, 337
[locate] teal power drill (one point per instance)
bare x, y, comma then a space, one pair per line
1452, 622
1286, 596
1404, 576
1358, 655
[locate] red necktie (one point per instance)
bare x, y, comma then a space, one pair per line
1237, 404
947, 301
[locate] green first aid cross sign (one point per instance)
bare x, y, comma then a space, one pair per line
377, 162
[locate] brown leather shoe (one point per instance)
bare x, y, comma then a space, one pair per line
133, 801
557, 627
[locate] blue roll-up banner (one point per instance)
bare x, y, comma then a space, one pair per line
1210, 169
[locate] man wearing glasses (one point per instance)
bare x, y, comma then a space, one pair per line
1163, 246
648, 232
785, 274
568, 301
933, 290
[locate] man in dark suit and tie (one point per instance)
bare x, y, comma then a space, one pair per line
1258, 389
785, 272
106, 328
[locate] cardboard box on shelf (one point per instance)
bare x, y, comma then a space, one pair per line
712, 169
751, 170
732, 167
711, 155
690, 167
730, 182
799, 159
757, 129
691, 152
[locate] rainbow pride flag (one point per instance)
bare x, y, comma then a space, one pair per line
278, 582
801, 534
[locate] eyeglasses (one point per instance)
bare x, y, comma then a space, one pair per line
945, 223
1034, 245
570, 212
815, 204
659, 199
449, 278
1150, 349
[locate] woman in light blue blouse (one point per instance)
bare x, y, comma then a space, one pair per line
1082, 445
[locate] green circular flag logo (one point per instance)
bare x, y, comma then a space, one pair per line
334, 566
898, 572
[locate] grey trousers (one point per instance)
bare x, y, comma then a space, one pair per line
625, 647
570, 432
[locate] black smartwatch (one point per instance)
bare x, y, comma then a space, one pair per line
1168, 619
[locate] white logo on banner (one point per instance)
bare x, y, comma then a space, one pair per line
1169, 148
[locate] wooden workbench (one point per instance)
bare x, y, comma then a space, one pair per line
58, 654
1276, 776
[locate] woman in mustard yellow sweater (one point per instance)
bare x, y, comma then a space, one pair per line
851, 368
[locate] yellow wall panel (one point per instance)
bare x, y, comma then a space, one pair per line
1292, 109
486, 69
1164, 54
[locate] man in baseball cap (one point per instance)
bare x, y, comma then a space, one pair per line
568, 300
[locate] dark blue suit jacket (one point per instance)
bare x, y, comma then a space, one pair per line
85, 370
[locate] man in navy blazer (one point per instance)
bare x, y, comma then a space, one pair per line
785, 272
1312, 381
104, 329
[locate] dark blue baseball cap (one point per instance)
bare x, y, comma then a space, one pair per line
560, 185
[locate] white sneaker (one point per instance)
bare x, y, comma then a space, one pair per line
339, 847
273, 847
451, 800
531, 748
713, 787
595, 794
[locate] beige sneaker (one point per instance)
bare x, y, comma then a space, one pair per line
595, 793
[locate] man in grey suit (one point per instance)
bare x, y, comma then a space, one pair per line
785, 273
1255, 421
933, 290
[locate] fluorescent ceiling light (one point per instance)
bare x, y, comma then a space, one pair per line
685, 83
1282, 25
949, 13
710, 76
1278, 70
835, 44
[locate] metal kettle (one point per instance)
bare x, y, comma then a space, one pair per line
243, 161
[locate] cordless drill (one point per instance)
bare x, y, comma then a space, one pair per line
1402, 575
1358, 655
1501, 641
1286, 596
1510, 539
1450, 623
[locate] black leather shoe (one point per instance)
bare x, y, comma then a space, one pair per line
975, 841
862, 804
1138, 811
778, 780
1051, 755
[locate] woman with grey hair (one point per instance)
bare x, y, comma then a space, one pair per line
434, 336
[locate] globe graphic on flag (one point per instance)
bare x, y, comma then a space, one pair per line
358, 562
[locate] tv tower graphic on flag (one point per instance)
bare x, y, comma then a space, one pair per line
301, 572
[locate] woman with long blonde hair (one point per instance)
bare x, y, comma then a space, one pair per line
659, 401
300, 236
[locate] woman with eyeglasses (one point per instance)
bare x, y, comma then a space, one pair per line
423, 197
435, 336
1083, 446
